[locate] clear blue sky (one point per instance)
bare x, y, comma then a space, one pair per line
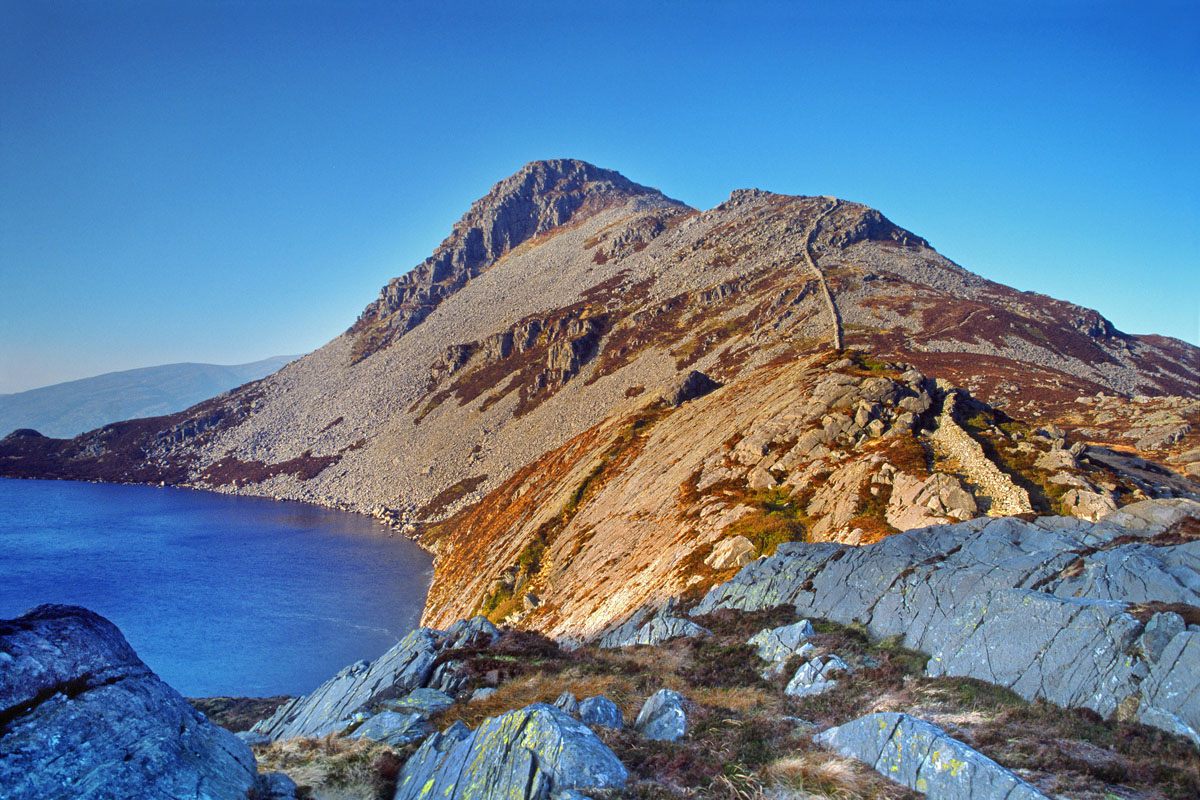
223, 181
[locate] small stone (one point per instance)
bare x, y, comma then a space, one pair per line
662, 716
425, 702
394, 728
482, 693
780, 644
567, 702
599, 710
815, 676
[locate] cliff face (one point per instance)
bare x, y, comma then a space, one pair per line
519, 400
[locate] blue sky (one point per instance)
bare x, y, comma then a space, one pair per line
223, 181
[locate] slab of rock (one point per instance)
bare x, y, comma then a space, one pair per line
394, 728
424, 702
533, 752
656, 631
1170, 697
406, 667
662, 716
1038, 606
599, 710
84, 717
921, 756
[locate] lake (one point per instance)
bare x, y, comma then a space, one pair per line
219, 595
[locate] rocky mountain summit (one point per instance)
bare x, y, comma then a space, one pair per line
592, 398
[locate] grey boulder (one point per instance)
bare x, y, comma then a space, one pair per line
662, 716
599, 710
83, 717
534, 752
921, 756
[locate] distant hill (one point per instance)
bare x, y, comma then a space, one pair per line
67, 409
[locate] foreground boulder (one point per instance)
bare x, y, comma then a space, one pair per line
408, 666
922, 757
82, 716
533, 752
662, 716
1041, 607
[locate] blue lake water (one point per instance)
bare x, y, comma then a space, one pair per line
219, 595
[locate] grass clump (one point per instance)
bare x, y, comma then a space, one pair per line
334, 768
776, 519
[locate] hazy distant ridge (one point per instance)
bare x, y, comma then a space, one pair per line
67, 409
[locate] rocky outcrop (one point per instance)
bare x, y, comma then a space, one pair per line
532, 753
352, 695
921, 756
658, 630
82, 716
1041, 607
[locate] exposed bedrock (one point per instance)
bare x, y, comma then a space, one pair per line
922, 757
1042, 607
82, 717
360, 691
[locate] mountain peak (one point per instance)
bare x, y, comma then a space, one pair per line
539, 197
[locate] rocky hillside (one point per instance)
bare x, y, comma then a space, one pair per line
988, 658
1023, 659
591, 398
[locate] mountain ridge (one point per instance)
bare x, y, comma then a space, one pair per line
524, 367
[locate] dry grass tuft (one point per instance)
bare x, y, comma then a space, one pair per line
335, 768
820, 774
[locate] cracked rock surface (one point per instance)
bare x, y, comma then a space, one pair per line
82, 717
534, 752
1041, 607
408, 666
921, 756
